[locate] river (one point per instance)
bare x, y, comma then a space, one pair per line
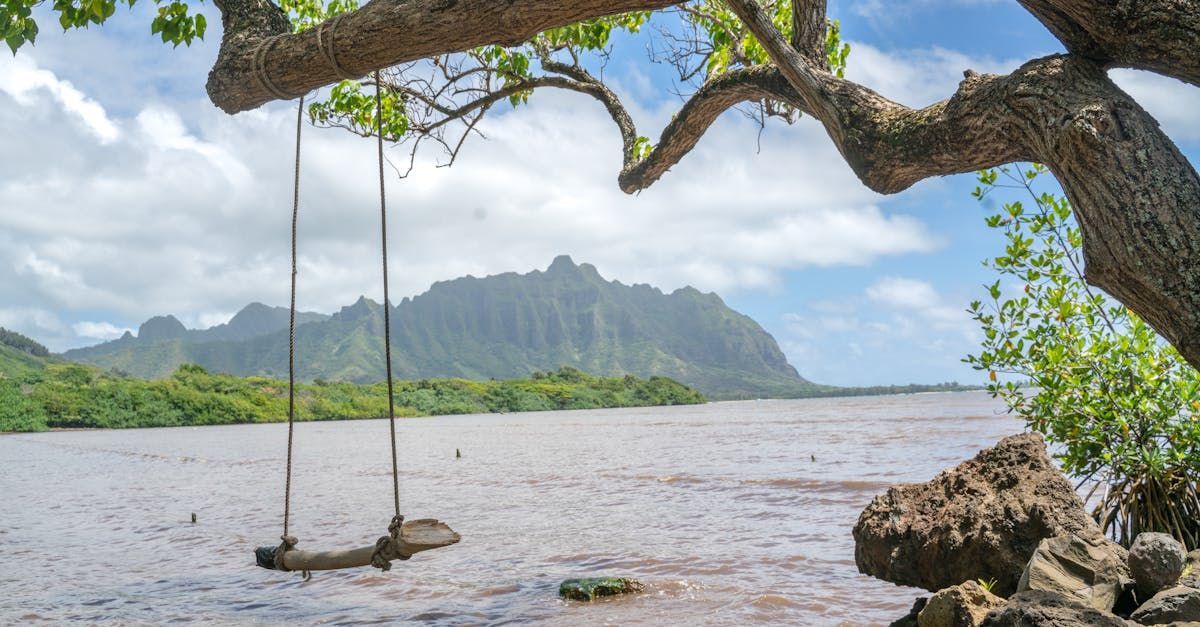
730, 513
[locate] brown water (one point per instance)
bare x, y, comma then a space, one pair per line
720, 509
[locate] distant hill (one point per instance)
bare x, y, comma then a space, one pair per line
502, 326
20, 354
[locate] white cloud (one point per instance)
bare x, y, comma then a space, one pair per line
44, 326
98, 330
918, 77
902, 293
182, 209
21, 79
919, 305
897, 330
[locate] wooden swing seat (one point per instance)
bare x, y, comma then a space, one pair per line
415, 536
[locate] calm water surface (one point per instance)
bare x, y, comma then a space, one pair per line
731, 513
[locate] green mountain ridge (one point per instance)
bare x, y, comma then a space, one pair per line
502, 326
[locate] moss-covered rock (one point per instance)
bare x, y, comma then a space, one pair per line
589, 588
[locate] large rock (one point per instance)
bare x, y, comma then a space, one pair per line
1090, 569
980, 520
1038, 608
963, 605
910, 619
1190, 576
1178, 604
1155, 561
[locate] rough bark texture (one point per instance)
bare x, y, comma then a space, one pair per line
808, 28
381, 34
1135, 195
1156, 35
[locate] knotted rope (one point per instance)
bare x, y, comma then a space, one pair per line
328, 51
286, 544
260, 69
387, 548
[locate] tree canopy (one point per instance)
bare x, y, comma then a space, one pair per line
445, 65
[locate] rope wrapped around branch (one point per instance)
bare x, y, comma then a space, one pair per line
387, 548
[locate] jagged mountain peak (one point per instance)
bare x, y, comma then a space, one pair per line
503, 326
161, 328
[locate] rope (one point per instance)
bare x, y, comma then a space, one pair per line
387, 303
260, 69
387, 548
328, 51
287, 490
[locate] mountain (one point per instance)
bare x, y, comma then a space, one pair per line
162, 343
503, 326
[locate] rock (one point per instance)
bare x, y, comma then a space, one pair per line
1039, 608
1178, 604
590, 588
1156, 562
1090, 569
963, 605
1190, 576
910, 620
980, 520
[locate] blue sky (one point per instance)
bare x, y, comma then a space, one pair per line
126, 194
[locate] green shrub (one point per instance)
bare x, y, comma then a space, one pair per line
1118, 404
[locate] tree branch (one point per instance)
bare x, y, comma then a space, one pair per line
697, 115
379, 35
808, 28
1136, 197
1157, 35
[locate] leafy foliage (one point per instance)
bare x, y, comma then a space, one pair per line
1119, 404
76, 396
175, 21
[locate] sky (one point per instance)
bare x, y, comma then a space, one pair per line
124, 194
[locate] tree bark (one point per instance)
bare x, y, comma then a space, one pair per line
1136, 197
1157, 35
381, 34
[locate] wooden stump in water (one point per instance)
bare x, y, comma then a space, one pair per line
590, 588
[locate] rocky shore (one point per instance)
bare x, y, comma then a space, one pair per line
1003, 540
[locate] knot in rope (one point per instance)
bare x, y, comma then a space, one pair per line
260, 68
387, 548
286, 544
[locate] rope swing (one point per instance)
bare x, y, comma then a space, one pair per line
403, 539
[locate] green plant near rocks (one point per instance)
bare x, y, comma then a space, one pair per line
1117, 403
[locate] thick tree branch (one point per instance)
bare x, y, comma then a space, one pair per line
809, 23
1136, 197
1158, 35
381, 34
